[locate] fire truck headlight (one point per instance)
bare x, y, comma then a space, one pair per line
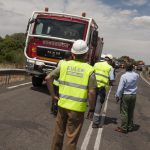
39, 63
30, 65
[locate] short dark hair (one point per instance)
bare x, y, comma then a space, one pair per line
129, 67
80, 56
67, 55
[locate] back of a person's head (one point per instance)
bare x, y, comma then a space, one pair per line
109, 61
129, 67
67, 55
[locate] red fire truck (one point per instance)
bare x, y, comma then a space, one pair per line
50, 35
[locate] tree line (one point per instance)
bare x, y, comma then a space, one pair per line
12, 49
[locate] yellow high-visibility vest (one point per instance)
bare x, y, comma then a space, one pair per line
73, 85
102, 70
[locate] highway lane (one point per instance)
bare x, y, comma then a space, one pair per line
26, 123
137, 140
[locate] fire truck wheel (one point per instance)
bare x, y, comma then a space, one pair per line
37, 81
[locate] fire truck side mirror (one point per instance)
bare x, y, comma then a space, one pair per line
94, 38
30, 22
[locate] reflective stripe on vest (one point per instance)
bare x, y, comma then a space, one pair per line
56, 82
102, 70
100, 81
73, 85
102, 75
73, 98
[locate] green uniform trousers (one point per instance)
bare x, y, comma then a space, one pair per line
69, 122
127, 106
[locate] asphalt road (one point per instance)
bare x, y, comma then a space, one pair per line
26, 122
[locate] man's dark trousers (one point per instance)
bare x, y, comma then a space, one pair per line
101, 94
127, 110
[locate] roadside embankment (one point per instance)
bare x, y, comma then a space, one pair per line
11, 73
146, 73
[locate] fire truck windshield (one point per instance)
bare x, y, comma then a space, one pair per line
59, 28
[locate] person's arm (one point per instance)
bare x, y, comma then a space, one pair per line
111, 76
92, 95
92, 98
50, 79
120, 89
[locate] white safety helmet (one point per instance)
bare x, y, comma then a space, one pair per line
103, 56
109, 56
79, 47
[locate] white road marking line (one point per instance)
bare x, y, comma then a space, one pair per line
11, 87
100, 130
87, 138
98, 139
144, 79
90, 129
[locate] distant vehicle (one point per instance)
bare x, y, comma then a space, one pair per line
140, 65
50, 35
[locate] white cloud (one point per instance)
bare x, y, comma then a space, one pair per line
135, 2
128, 12
142, 21
123, 32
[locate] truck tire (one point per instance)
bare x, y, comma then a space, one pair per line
37, 81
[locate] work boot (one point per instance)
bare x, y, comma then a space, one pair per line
95, 125
118, 129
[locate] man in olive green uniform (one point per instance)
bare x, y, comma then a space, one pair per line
76, 83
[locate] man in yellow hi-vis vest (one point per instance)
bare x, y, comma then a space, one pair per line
102, 73
77, 83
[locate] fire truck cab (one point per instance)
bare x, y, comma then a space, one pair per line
50, 35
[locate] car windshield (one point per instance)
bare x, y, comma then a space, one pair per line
59, 28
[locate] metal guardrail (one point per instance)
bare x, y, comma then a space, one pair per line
8, 76
12, 71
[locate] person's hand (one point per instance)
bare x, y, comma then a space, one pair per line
117, 99
111, 83
90, 114
55, 99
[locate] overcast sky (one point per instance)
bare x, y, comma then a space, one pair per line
124, 24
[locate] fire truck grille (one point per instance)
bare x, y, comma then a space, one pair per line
50, 53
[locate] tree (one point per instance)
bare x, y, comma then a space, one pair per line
11, 48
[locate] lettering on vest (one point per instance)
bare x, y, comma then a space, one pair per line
74, 71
